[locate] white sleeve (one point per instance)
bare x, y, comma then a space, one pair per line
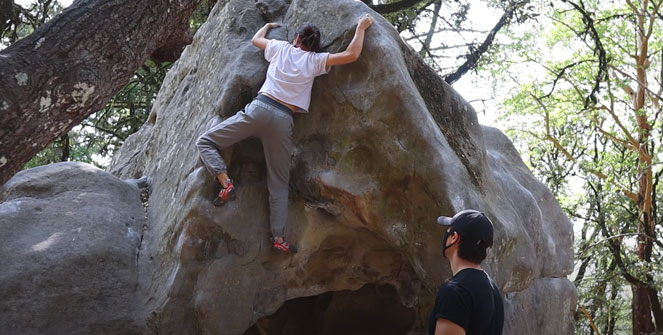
272, 48
320, 63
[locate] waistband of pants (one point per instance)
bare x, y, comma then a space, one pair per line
274, 103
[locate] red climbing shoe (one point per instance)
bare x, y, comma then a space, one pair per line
226, 194
284, 246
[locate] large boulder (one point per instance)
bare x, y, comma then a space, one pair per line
386, 148
70, 235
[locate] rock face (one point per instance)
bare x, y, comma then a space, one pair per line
70, 235
386, 148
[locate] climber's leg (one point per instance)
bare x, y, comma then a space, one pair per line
234, 129
279, 148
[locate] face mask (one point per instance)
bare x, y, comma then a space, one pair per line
445, 246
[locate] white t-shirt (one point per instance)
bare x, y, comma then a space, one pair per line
291, 72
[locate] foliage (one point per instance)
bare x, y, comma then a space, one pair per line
597, 146
449, 40
17, 21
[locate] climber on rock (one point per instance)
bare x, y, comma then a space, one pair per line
269, 117
470, 303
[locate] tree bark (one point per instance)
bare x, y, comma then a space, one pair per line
68, 68
394, 6
66, 152
641, 312
644, 302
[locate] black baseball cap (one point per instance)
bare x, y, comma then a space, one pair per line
473, 226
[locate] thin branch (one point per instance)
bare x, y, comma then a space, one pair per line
602, 55
634, 143
619, 236
643, 85
108, 131
446, 47
589, 317
428, 51
455, 30
561, 73
560, 147
614, 246
475, 54
431, 31
394, 6
650, 29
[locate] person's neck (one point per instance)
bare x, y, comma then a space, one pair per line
458, 264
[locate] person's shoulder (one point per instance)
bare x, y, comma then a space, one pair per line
471, 278
278, 43
450, 287
471, 273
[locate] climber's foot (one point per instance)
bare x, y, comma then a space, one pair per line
225, 194
282, 246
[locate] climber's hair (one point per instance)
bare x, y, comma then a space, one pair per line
308, 37
475, 253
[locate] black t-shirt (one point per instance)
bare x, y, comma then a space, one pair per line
471, 300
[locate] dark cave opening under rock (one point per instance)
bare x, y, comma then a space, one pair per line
373, 309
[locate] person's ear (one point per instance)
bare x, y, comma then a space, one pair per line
455, 237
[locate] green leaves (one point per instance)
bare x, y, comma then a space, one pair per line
596, 155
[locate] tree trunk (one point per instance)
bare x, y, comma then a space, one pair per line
393, 7
612, 311
68, 68
429, 36
66, 152
642, 306
641, 312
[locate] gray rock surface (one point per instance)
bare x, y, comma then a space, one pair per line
69, 237
386, 148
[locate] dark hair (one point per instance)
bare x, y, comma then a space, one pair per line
308, 37
474, 252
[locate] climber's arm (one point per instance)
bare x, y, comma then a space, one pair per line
446, 327
259, 39
353, 51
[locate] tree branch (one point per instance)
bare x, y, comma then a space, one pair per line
560, 147
561, 73
394, 6
614, 246
619, 236
473, 57
634, 145
429, 35
603, 60
53, 79
640, 83
107, 131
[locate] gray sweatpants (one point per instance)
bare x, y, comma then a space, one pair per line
273, 126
